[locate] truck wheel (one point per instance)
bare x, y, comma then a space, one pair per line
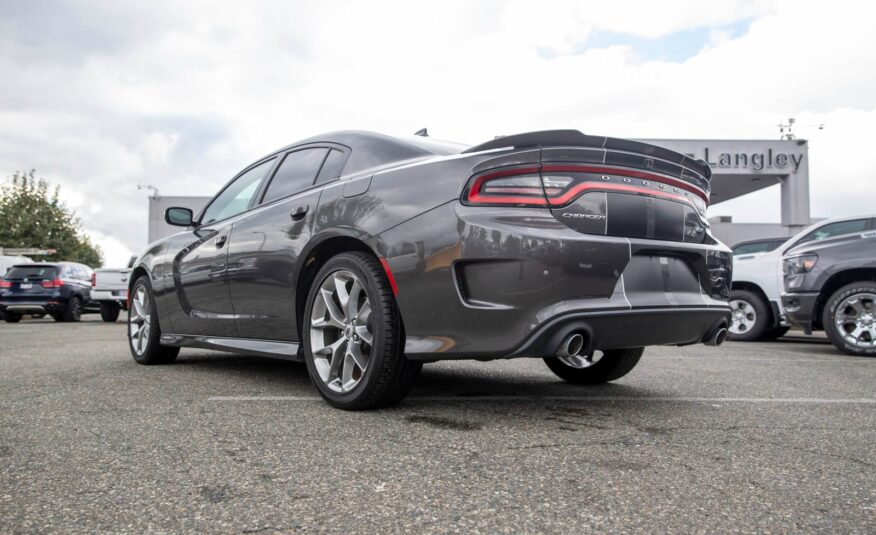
109, 312
749, 317
353, 336
849, 318
144, 332
74, 309
775, 333
12, 317
598, 367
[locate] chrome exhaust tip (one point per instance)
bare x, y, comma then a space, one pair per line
718, 337
571, 346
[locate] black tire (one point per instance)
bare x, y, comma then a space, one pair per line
758, 311
11, 317
152, 352
109, 312
74, 309
775, 333
614, 364
831, 309
57, 316
388, 375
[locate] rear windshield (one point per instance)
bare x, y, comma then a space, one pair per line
32, 272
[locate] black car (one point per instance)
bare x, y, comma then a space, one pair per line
757, 246
60, 289
830, 285
367, 255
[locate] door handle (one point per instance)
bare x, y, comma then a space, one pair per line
220, 240
298, 213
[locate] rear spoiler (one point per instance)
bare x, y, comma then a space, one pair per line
574, 138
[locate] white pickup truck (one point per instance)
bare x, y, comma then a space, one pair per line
109, 289
757, 278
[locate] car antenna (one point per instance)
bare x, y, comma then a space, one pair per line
422, 133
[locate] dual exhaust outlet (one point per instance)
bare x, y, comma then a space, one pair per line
573, 344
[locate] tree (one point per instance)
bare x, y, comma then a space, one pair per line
32, 215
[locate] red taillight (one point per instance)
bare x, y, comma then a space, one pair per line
558, 185
5, 284
56, 283
509, 187
93, 280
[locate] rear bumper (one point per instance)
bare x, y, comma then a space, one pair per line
800, 309
499, 283
33, 307
110, 295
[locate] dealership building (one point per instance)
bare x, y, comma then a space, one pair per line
739, 167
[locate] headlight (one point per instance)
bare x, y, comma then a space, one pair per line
798, 265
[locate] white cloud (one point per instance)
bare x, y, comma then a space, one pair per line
181, 95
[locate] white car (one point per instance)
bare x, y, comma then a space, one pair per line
757, 277
109, 289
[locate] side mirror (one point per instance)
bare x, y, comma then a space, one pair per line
179, 217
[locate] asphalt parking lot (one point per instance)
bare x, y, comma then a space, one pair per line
773, 437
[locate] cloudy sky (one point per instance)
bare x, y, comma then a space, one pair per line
101, 96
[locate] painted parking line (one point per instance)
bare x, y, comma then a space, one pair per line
646, 399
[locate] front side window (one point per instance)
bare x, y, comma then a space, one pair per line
296, 173
236, 197
835, 229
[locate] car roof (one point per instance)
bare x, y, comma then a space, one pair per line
371, 149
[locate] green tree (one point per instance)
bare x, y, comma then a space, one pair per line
32, 215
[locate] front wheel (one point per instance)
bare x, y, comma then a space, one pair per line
74, 309
596, 368
850, 319
144, 332
352, 336
12, 317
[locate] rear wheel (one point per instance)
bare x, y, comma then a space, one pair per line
749, 317
74, 309
850, 319
109, 312
12, 317
144, 332
596, 368
353, 339
775, 333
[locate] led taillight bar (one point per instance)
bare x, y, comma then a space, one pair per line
500, 188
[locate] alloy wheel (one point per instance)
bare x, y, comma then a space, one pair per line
855, 320
140, 319
341, 332
743, 317
580, 362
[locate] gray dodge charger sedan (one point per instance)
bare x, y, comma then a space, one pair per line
366, 255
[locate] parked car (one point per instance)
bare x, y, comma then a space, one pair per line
7, 261
578, 249
756, 299
830, 285
61, 289
109, 290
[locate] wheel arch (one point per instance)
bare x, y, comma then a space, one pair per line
317, 253
834, 283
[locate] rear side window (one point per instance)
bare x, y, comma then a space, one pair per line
331, 169
756, 247
32, 272
297, 172
835, 229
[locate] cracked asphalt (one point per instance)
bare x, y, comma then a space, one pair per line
772, 437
